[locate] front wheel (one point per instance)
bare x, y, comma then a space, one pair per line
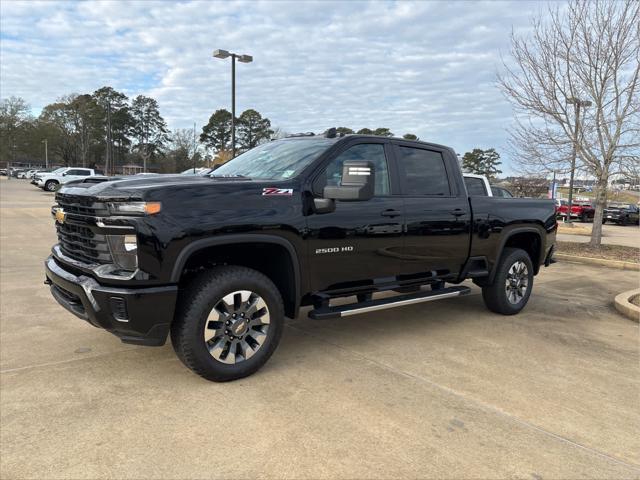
228, 322
51, 186
511, 287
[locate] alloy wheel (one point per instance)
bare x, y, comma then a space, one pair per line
517, 282
237, 327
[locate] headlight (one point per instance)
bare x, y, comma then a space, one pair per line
134, 208
124, 250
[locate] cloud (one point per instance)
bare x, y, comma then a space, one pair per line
424, 67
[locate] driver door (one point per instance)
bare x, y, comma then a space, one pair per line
359, 241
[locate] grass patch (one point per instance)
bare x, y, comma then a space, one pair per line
577, 229
606, 252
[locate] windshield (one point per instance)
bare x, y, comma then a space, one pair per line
276, 160
58, 170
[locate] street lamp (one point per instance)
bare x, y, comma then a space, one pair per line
46, 153
243, 59
577, 104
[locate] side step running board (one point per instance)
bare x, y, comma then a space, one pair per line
384, 303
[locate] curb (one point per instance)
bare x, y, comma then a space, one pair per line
601, 262
625, 307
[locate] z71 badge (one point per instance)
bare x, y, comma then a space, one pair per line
282, 192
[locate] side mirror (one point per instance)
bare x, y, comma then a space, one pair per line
64, 174
358, 182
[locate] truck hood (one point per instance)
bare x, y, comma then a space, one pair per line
152, 186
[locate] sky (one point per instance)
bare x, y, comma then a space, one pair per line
427, 68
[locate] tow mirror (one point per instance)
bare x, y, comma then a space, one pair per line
358, 182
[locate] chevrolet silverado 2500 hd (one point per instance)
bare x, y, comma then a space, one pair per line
217, 262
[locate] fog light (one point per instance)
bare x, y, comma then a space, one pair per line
124, 250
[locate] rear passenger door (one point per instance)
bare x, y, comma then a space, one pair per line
437, 212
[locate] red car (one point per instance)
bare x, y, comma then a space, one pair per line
579, 210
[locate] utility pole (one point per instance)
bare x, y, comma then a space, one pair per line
46, 153
194, 148
577, 103
242, 59
109, 162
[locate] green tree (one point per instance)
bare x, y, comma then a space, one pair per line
380, 132
482, 162
252, 129
410, 136
149, 128
383, 132
344, 131
216, 134
60, 117
120, 120
85, 115
15, 117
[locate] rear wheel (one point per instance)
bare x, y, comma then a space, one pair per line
229, 322
511, 287
584, 218
51, 186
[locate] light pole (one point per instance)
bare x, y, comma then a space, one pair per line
46, 153
577, 104
243, 59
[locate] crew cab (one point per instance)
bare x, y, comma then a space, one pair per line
580, 210
622, 214
218, 262
50, 181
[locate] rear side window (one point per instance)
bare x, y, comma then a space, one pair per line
475, 187
78, 171
424, 172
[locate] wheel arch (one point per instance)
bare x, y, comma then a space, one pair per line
271, 255
528, 239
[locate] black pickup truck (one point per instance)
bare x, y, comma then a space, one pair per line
218, 262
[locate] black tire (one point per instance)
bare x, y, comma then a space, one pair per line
495, 296
199, 298
623, 221
604, 220
51, 185
584, 218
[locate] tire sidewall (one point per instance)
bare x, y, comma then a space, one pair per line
50, 186
199, 312
501, 278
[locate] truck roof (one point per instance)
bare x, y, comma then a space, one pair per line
337, 138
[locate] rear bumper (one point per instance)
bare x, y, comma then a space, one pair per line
141, 316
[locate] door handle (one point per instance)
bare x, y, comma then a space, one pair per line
457, 212
390, 213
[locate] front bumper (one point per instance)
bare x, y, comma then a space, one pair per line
141, 316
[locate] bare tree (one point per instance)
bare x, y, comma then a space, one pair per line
586, 50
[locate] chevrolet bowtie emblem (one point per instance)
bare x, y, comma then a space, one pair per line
60, 215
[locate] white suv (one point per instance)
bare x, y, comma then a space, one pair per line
52, 180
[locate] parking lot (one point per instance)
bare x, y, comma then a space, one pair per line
445, 389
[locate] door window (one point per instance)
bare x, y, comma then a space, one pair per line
372, 152
77, 172
424, 172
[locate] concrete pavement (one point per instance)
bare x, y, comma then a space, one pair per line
444, 390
